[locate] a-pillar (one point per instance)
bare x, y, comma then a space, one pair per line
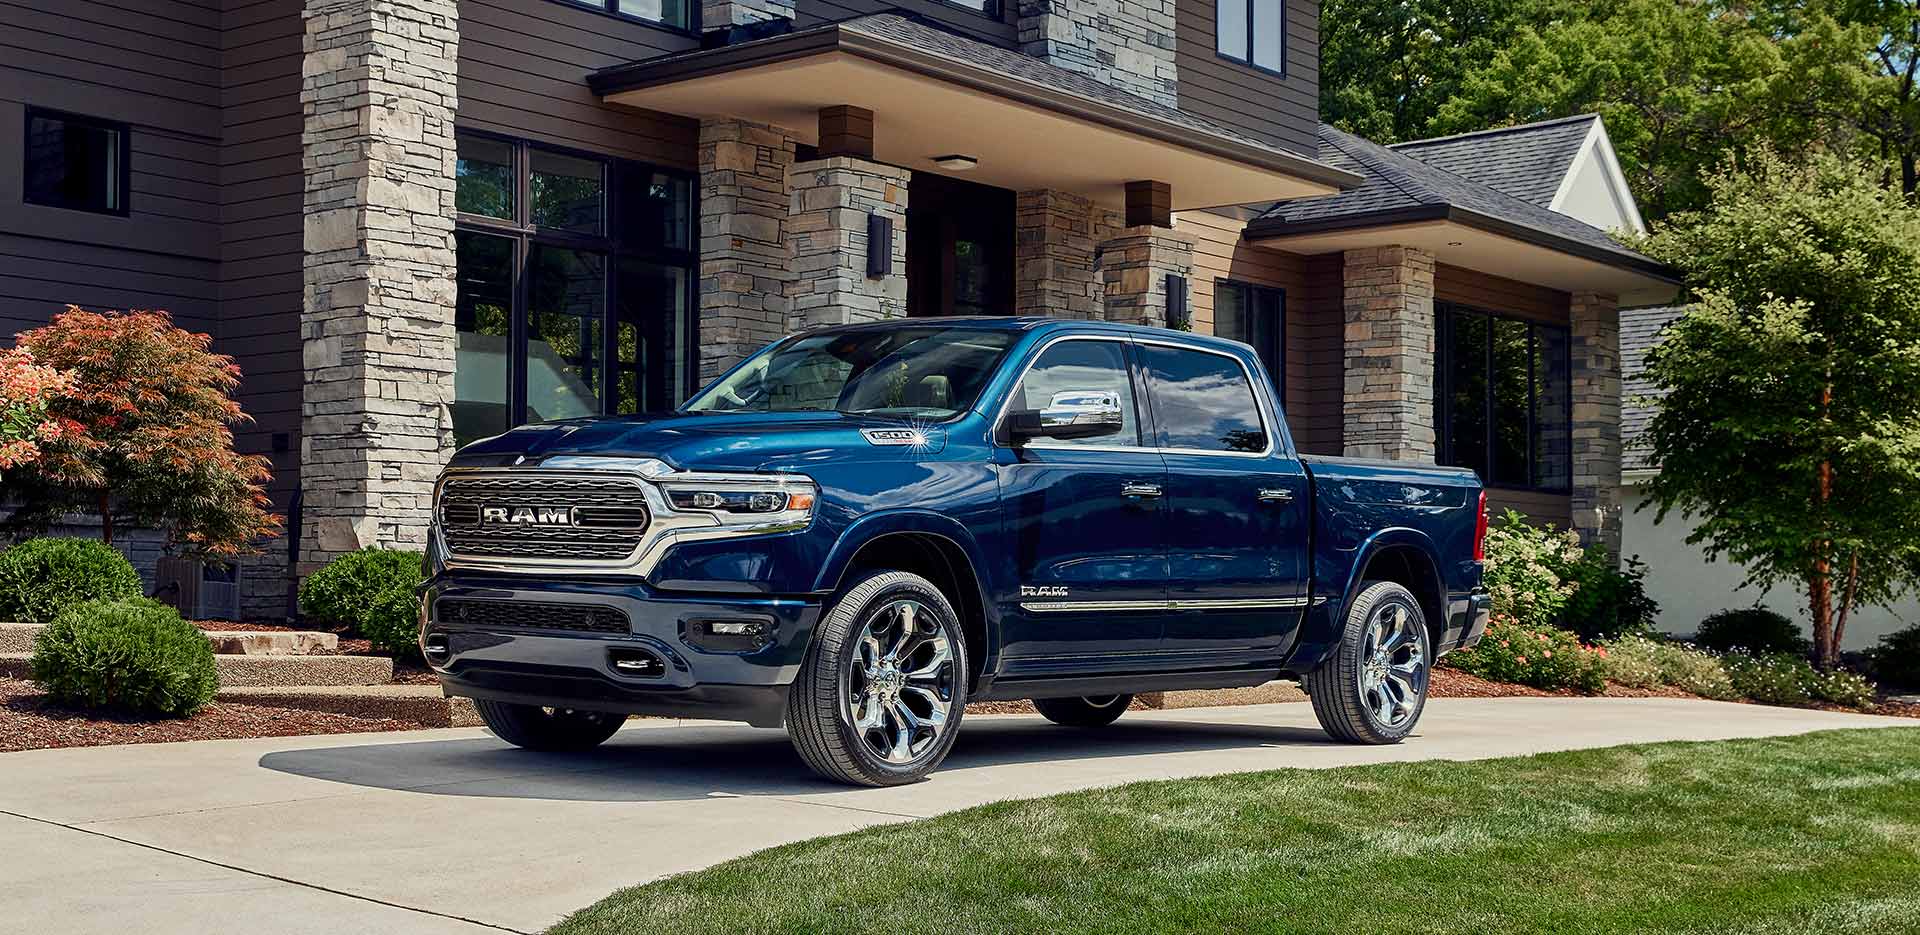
840, 203
1597, 497
1054, 255
378, 97
1389, 342
746, 264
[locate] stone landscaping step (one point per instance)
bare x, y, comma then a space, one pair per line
18, 638
269, 671
421, 704
1270, 693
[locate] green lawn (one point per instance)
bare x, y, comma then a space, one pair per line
1810, 834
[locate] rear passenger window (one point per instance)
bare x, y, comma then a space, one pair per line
1073, 368
1202, 402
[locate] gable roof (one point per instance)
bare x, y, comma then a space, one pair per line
1641, 330
1401, 189
1529, 162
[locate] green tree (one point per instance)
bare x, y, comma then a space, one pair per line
1680, 83
1790, 428
1853, 65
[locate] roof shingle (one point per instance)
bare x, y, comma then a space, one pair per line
1529, 162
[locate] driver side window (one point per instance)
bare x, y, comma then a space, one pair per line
1075, 368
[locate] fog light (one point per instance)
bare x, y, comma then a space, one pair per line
727, 636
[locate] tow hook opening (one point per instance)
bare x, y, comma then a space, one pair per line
436, 648
636, 663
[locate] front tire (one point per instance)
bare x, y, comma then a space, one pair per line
1083, 712
548, 730
1374, 688
881, 692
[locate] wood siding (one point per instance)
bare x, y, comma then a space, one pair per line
1282, 110
1314, 377
998, 30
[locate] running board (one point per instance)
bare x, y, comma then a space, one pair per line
1086, 686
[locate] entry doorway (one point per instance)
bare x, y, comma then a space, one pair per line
959, 247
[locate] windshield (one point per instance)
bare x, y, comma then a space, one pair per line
921, 373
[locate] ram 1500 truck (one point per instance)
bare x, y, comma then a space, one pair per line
859, 530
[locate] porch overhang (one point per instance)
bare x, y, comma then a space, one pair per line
1470, 240
1029, 124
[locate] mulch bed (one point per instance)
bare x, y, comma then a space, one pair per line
31, 721
1453, 683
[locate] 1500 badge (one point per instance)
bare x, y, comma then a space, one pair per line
1028, 590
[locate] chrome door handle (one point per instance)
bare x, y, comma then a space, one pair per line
1276, 495
1143, 491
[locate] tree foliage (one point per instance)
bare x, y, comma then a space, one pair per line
1790, 427
151, 411
1852, 65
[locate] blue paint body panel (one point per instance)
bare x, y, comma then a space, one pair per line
1267, 528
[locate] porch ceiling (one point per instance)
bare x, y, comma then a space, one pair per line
1030, 125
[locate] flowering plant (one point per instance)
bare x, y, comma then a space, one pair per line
26, 389
1524, 569
1541, 656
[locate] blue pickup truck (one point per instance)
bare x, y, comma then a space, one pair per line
859, 530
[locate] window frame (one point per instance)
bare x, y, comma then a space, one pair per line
1144, 433
994, 8
612, 8
610, 244
1247, 61
1264, 404
1250, 292
1445, 314
123, 134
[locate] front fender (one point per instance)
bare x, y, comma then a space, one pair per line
873, 526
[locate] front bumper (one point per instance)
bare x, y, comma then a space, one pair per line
1467, 620
506, 657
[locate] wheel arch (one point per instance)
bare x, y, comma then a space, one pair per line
1406, 557
932, 546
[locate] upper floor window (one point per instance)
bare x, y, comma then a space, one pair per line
1503, 395
671, 13
1252, 31
989, 7
76, 162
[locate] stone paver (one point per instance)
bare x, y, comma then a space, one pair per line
416, 832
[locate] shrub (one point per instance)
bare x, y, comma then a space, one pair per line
1543, 657
1608, 602
1644, 662
371, 591
1897, 659
1523, 569
1787, 679
40, 578
136, 657
1754, 630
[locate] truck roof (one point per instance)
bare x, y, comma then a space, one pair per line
1036, 323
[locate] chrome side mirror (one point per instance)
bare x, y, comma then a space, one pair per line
1071, 414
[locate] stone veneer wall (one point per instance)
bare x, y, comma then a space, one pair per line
746, 262
717, 14
1135, 264
378, 95
1053, 255
1596, 419
827, 228
1128, 44
1389, 342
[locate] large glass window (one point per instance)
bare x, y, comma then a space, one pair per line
671, 13
1503, 398
75, 162
1255, 315
1082, 368
1202, 401
1252, 31
575, 286
910, 373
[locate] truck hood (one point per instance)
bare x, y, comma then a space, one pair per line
734, 441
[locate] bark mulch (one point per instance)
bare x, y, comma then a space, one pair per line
29, 720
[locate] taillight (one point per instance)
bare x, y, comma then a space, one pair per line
1480, 531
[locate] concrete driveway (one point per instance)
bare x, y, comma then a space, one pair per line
452, 831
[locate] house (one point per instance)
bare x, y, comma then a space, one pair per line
417, 222
1679, 577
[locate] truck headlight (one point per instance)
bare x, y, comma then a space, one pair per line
743, 500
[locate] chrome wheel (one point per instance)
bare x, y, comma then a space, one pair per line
900, 681
1393, 665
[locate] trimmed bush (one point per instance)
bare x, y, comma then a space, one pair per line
373, 591
1645, 662
40, 578
134, 657
1896, 660
1755, 630
1608, 601
1543, 657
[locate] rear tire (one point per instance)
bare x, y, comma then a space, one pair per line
880, 694
1374, 687
1083, 712
548, 730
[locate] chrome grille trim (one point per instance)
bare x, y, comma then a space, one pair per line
608, 515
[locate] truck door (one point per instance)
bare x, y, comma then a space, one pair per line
1085, 520
1238, 505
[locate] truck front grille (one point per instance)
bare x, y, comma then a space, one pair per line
530, 516
520, 615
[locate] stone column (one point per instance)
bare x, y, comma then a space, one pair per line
1053, 255
1388, 402
378, 96
746, 264
1596, 419
1128, 44
1135, 265
833, 198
